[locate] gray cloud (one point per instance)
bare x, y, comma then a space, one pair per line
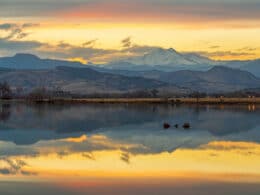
12, 44
89, 43
214, 47
89, 156
248, 49
5, 171
90, 53
65, 51
25, 8
226, 53
140, 49
6, 26
14, 167
127, 42
16, 46
16, 31
181, 10
29, 25
125, 157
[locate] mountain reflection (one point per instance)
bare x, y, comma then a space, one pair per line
99, 156
32, 123
5, 112
76, 139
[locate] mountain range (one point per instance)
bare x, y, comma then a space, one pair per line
31, 62
176, 72
81, 81
163, 58
169, 60
216, 79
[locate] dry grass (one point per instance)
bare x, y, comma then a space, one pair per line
169, 100
219, 100
153, 100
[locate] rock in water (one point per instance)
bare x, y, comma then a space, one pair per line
186, 125
166, 125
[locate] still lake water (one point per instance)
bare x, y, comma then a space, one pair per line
123, 149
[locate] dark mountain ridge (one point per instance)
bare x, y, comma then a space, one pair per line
32, 62
30, 71
217, 79
81, 81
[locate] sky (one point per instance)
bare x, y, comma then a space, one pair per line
100, 31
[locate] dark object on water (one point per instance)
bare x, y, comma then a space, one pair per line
186, 125
166, 125
176, 126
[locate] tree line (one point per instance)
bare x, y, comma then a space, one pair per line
41, 93
5, 91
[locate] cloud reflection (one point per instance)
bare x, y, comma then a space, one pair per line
86, 139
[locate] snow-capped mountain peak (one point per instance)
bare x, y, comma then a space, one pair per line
170, 56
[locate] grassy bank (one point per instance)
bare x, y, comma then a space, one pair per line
145, 100
173, 100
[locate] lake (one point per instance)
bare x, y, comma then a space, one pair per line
124, 149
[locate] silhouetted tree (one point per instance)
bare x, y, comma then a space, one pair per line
5, 112
198, 95
154, 92
5, 91
19, 92
39, 94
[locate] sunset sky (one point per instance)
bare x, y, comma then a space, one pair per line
103, 30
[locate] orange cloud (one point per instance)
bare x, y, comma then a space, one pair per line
141, 11
77, 139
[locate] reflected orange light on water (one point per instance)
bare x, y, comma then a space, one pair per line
215, 160
101, 157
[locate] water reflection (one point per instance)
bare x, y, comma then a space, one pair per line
128, 140
5, 112
57, 121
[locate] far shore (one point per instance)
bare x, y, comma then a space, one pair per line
208, 100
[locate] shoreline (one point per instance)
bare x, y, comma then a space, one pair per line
141, 100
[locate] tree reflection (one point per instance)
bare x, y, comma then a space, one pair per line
5, 112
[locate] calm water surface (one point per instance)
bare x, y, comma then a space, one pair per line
123, 149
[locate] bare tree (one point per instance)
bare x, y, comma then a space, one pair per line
5, 91
39, 94
19, 92
154, 93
